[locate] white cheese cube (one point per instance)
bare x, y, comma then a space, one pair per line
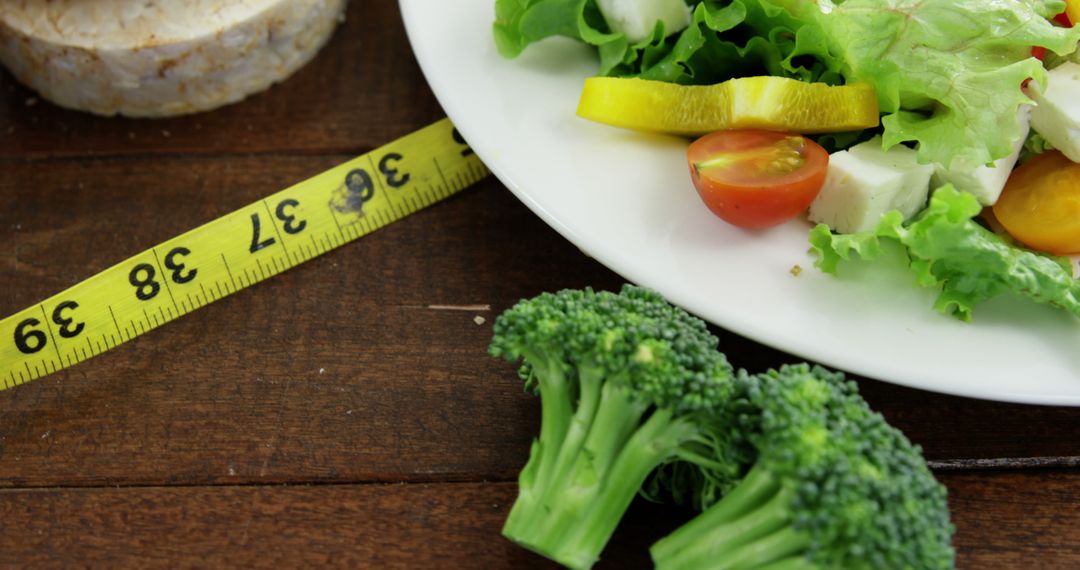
1057, 113
985, 182
637, 18
864, 182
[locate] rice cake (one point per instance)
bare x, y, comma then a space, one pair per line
156, 58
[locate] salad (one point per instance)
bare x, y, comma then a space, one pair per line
950, 129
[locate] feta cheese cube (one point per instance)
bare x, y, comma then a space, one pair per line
985, 182
864, 182
1057, 113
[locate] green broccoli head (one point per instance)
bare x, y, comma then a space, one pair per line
660, 354
634, 335
627, 382
833, 486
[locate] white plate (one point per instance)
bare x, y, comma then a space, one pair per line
626, 199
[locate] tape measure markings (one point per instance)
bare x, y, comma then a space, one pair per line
235, 251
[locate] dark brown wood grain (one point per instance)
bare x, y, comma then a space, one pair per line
349, 526
346, 413
1018, 520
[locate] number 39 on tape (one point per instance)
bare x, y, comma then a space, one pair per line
236, 251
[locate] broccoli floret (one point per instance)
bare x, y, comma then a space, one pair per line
627, 382
833, 487
792, 467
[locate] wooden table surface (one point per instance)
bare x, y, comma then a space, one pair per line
345, 413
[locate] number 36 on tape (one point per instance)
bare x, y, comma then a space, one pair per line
236, 251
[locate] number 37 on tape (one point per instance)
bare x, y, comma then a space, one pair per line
236, 251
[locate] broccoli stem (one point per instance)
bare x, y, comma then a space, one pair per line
555, 413
582, 538
542, 523
590, 380
751, 530
751, 492
566, 475
791, 563
618, 416
779, 545
575, 441
526, 499
606, 455
715, 547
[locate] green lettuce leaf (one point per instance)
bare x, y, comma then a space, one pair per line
948, 249
947, 72
735, 39
519, 23
1034, 145
725, 39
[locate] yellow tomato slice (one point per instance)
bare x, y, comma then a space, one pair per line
771, 103
1040, 205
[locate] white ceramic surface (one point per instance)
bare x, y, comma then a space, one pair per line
626, 199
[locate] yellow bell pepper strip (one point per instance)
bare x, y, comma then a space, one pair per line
767, 102
1072, 10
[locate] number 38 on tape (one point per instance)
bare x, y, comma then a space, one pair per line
236, 251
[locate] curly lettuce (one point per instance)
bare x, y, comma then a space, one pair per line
729, 39
949, 250
947, 72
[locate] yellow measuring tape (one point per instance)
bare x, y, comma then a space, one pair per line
236, 251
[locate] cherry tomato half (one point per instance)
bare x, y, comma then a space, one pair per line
1040, 205
755, 178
